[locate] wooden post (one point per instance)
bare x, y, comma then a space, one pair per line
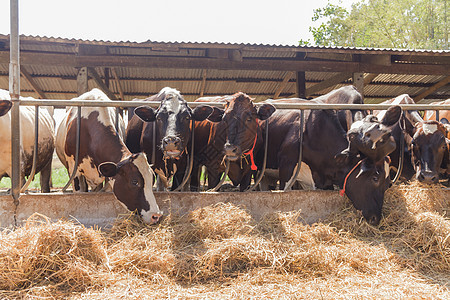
301, 85
358, 82
82, 81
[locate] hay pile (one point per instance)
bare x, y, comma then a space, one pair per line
220, 251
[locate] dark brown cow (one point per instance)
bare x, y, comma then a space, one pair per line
170, 144
104, 154
363, 180
430, 152
235, 137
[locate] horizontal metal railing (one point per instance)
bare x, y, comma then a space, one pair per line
155, 104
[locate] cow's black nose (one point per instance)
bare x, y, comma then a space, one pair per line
428, 177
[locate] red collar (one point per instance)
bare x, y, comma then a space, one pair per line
342, 191
250, 152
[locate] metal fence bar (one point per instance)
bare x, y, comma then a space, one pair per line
86, 103
14, 90
305, 106
77, 151
35, 150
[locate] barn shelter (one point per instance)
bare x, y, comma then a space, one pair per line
60, 68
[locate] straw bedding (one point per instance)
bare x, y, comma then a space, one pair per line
220, 251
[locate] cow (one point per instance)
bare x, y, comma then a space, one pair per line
430, 152
46, 141
234, 134
363, 180
444, 120
103, 154
404, 128
165, 133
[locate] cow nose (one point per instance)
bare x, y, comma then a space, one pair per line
373, 220
231, 151
155, 218
173, 141
428, 177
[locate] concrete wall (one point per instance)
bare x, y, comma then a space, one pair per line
102, 208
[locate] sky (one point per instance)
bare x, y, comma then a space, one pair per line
275, 22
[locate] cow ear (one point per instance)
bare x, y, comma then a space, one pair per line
359, 115
146, 113
392, 115
216, 115
200, 113
265, 111
5, 106
108, 169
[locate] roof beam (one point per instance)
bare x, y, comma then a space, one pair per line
369, 77
328, 83
203, 86
119, 86
53, 59
283, 84
101, 84
432, 89
32, 82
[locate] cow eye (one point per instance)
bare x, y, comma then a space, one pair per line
367, 134
376, 178
135, 182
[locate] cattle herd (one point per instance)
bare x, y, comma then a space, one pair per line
357, 151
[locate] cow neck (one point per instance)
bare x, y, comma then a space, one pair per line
251, 151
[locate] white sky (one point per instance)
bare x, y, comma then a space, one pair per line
277, 22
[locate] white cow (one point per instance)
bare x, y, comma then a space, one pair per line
46, 142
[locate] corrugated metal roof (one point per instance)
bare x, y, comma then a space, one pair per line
59, 81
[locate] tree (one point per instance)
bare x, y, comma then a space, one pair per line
412, 24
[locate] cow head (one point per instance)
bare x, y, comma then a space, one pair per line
5, 106
429, 150
173, 121
240, 118
132, 181
372, 137
366, 185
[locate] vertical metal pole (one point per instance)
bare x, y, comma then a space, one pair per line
14, 91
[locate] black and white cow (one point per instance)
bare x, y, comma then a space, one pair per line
165, 133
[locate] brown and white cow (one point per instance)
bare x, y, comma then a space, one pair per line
46, 141
235, 136
103, 154
169, 127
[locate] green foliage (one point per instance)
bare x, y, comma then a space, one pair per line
59, 180
412, 24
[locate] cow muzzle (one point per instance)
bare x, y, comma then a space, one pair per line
428, 177
151, 217
171, 146
232, 152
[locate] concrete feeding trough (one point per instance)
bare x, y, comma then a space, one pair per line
101, 209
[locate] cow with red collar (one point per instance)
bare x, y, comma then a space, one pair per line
234, 134
103, 154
